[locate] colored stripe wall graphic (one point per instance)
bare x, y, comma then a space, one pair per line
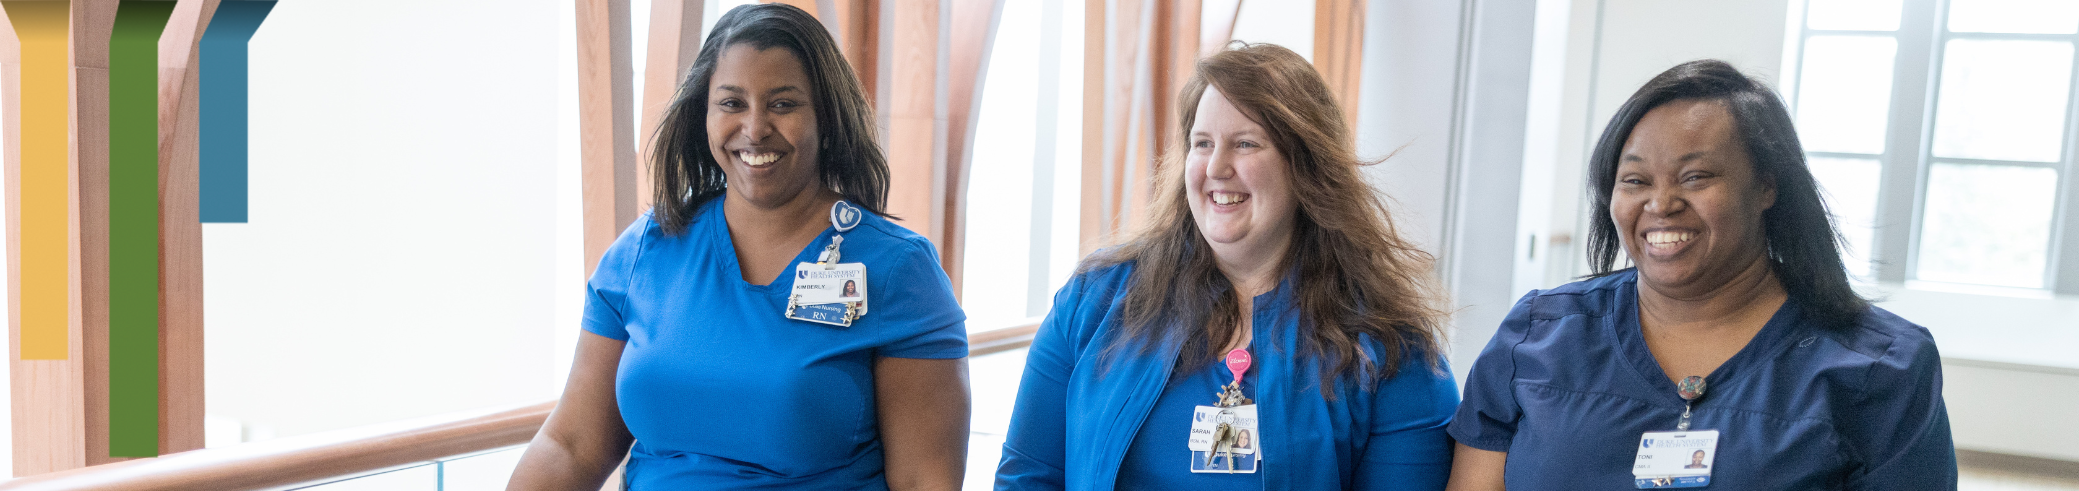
45, 93
133, 228
223, 108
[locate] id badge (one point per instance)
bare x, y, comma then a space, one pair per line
1241, 456
842, 282
1675, 459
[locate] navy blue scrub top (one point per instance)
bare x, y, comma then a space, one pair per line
1567, 387
723, 392
1160, 458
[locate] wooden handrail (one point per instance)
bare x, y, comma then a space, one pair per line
329, 456
306, 459
1001, 340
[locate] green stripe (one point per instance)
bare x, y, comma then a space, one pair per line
133, 228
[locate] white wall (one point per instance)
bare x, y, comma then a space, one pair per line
401, 252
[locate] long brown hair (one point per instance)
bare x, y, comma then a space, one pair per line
1354, 276
684, 171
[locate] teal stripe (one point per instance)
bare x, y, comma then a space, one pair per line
223, 109
133, 228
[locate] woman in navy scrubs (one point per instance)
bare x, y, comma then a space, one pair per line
1264, 239
1738, 313
693, 350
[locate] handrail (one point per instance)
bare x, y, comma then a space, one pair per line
306, 459
1001, 340
324, 457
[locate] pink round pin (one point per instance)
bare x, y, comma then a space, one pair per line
1238, 362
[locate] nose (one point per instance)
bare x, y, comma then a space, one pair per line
757, 124
1666, 201
1221, 165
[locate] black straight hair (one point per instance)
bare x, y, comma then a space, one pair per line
1803, 246
685, 173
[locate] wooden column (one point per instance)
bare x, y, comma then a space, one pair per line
180, 230
1137, 55
973, 34
673, 44
859, 35
606, 104
916, 121
1339, 50
60, 404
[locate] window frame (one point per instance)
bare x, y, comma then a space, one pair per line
1908, 156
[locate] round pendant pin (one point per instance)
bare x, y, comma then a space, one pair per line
1690, 388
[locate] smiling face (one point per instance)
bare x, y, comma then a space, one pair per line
1238, 185
761, 125
1687, 201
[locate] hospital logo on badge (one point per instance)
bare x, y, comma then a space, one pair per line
844, 216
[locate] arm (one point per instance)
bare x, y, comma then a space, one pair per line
1902, 427
1406, 447
1474, 469
1034, 451
584, 438
923, 406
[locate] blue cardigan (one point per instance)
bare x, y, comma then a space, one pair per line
1076, 415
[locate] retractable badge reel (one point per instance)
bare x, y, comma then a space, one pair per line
1680, 458
829, 291
1224, 436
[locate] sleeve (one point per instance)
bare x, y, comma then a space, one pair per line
930, 322
1034, 451
1901, 429
1487, 418
1408, 448
606, 294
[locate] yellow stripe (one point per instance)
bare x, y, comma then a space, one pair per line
45, 287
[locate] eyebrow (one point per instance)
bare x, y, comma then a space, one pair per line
778, 90
1633, 157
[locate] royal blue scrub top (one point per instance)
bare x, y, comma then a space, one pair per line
721, 391
1567, 387
1160, 458
1081, 409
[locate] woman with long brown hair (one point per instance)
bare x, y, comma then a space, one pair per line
1267, 293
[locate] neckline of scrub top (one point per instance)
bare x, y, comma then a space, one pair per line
1631, 334
728, 240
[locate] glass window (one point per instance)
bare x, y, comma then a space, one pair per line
1845, 93
2003, 99
1987, 224
2014, 16
1849, 187
1853, 15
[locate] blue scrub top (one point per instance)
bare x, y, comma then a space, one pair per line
1160, 458
1567, 387
1079, 410
723, 392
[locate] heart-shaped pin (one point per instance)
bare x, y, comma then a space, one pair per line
844, 216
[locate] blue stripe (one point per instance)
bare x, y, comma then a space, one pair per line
223, 109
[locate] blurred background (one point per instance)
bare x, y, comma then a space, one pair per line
416, 242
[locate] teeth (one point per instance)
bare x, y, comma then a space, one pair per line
1229, 198
756, 159
1668, 237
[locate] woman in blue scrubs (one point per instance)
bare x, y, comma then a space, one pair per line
695, 348
1735, 336
1267, 295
